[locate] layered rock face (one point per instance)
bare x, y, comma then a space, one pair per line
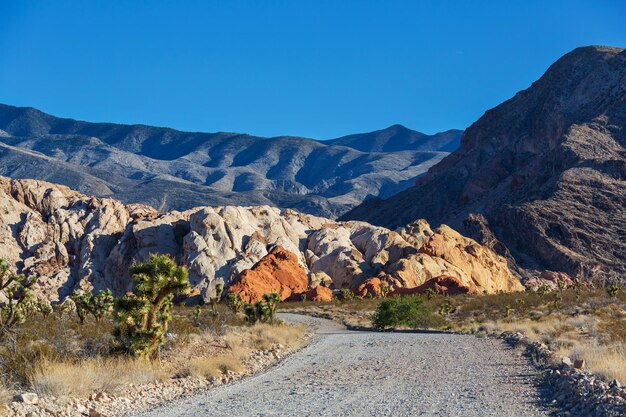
544, 172
74, 241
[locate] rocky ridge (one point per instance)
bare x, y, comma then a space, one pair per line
542, 174
73, 242
174, 170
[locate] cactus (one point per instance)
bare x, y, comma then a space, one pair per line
142, 316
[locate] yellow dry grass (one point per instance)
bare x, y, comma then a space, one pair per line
263, 336
237, 343
5, 398
93, 375
576, 337
214, 366
607, 361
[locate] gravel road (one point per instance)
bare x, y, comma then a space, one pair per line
346, 373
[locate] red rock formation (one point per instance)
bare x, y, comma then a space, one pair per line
372, 287
320, 294
442, 284
278, 271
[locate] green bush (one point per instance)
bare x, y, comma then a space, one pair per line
345, 294
397, 312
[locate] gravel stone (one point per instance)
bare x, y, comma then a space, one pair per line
348, 373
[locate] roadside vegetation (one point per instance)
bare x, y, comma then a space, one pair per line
580, 322
96, 343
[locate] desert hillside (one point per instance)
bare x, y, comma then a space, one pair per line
170, 169
544, 173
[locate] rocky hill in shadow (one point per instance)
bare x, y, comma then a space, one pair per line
544, 173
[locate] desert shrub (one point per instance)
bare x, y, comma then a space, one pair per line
142, 317
345, 294
397, 312
263, 336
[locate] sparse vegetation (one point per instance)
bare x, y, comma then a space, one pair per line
59, 354
578, 321
262, 311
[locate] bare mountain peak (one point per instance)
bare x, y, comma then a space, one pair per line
546, 168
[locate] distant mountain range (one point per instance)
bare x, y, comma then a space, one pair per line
170, 169
544, 173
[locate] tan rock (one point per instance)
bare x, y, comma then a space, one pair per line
483, 269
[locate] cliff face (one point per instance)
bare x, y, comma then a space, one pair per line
73, 242
546, 170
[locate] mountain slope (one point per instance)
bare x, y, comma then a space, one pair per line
313, 176
547, 169
399, 138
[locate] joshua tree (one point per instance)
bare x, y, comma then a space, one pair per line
219, 290
44, 308
197, 312
142, 316
612, 290
18, 290
235, 302
384, 289
430, 293
82, 303
271, 300
543, 289
61, 308
101, 304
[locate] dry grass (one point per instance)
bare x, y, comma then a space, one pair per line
232, 348
5, 398
263, 336
607, 361
214, 366
93, 375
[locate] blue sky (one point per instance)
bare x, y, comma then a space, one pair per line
317, 68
